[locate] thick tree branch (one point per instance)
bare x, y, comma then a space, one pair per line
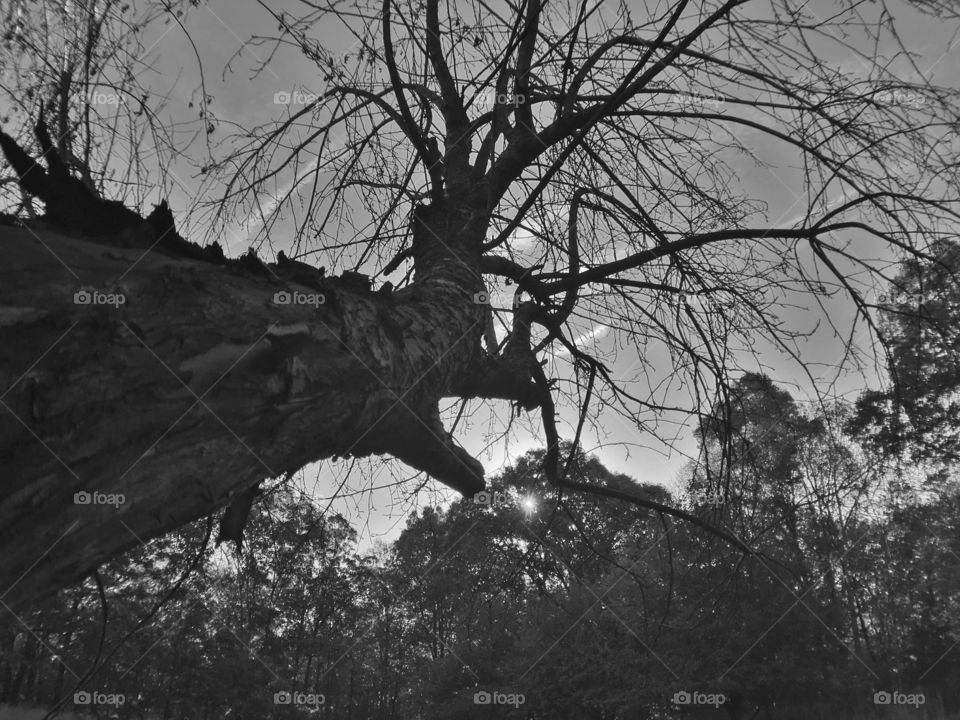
431, 159
521, 84
690, 242
521, 275
660, 508
454, 115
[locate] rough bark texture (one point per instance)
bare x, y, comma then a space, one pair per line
200, 385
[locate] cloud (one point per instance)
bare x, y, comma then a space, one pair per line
596, 333
269, 207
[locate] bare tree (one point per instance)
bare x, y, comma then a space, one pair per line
85, 66
583, 156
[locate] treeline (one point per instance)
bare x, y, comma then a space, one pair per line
546, 608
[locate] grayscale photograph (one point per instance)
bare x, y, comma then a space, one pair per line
466, 359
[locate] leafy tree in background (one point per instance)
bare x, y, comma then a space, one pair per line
903, 587
919, 417
793, 485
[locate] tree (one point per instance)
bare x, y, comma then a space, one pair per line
188, 379
919, 415
85, 64
797, 489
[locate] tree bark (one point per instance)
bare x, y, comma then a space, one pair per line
198, 385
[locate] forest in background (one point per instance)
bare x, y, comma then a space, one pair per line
529, 604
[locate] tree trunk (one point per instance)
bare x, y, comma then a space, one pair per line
64, 645
194, 384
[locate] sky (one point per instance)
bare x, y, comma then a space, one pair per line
213, 35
